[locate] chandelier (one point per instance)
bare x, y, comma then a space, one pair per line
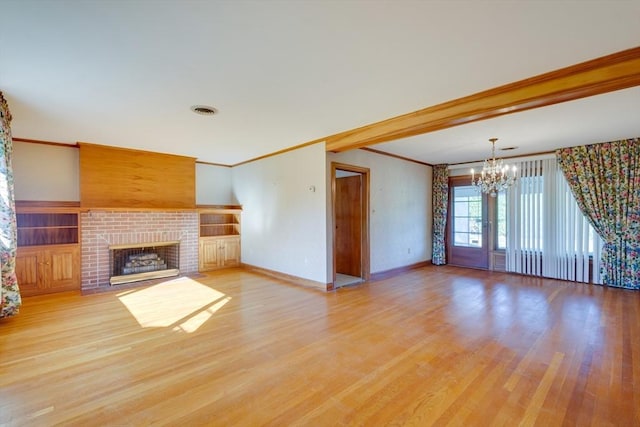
495, 176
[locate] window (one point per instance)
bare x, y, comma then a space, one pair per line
531, 220
501, 221
546, 234
531, 214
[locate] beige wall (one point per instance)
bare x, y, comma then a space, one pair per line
45, 172
213, 185
283, 200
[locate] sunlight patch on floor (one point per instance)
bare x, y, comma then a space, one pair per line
182, 303
192, 324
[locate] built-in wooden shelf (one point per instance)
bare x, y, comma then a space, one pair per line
55, 228
219, 238
223, 223
48, 256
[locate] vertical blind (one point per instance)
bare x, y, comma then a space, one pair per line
547, 234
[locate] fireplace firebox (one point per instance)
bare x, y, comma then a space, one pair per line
144, 261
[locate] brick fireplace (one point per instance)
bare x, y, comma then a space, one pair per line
104, 229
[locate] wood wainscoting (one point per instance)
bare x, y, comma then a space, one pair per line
437, 345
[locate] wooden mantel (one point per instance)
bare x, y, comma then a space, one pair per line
609, 73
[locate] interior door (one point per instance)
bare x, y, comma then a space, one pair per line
468, 225
348, 225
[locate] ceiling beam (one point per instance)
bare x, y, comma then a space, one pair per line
609, 73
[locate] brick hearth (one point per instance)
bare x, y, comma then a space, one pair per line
103, 228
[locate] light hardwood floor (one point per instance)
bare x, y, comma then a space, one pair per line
434, 346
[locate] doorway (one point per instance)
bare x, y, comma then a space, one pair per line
468, 225
350, 209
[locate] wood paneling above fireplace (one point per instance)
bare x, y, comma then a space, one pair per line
113, 177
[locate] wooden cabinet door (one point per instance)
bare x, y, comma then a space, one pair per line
217, 253
29, 264
41, 271
209, 254
63, 265
230, 248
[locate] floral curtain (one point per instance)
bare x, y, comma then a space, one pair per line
10, 300
605, 180
440, 201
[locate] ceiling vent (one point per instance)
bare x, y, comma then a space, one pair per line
205, 110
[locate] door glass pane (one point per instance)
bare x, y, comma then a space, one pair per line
462, 224
462, 208
467, 217
461, 239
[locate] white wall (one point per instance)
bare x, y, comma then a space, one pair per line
46, 172
400, 209
213, 185
284, 212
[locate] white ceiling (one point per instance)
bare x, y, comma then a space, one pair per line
282, 73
